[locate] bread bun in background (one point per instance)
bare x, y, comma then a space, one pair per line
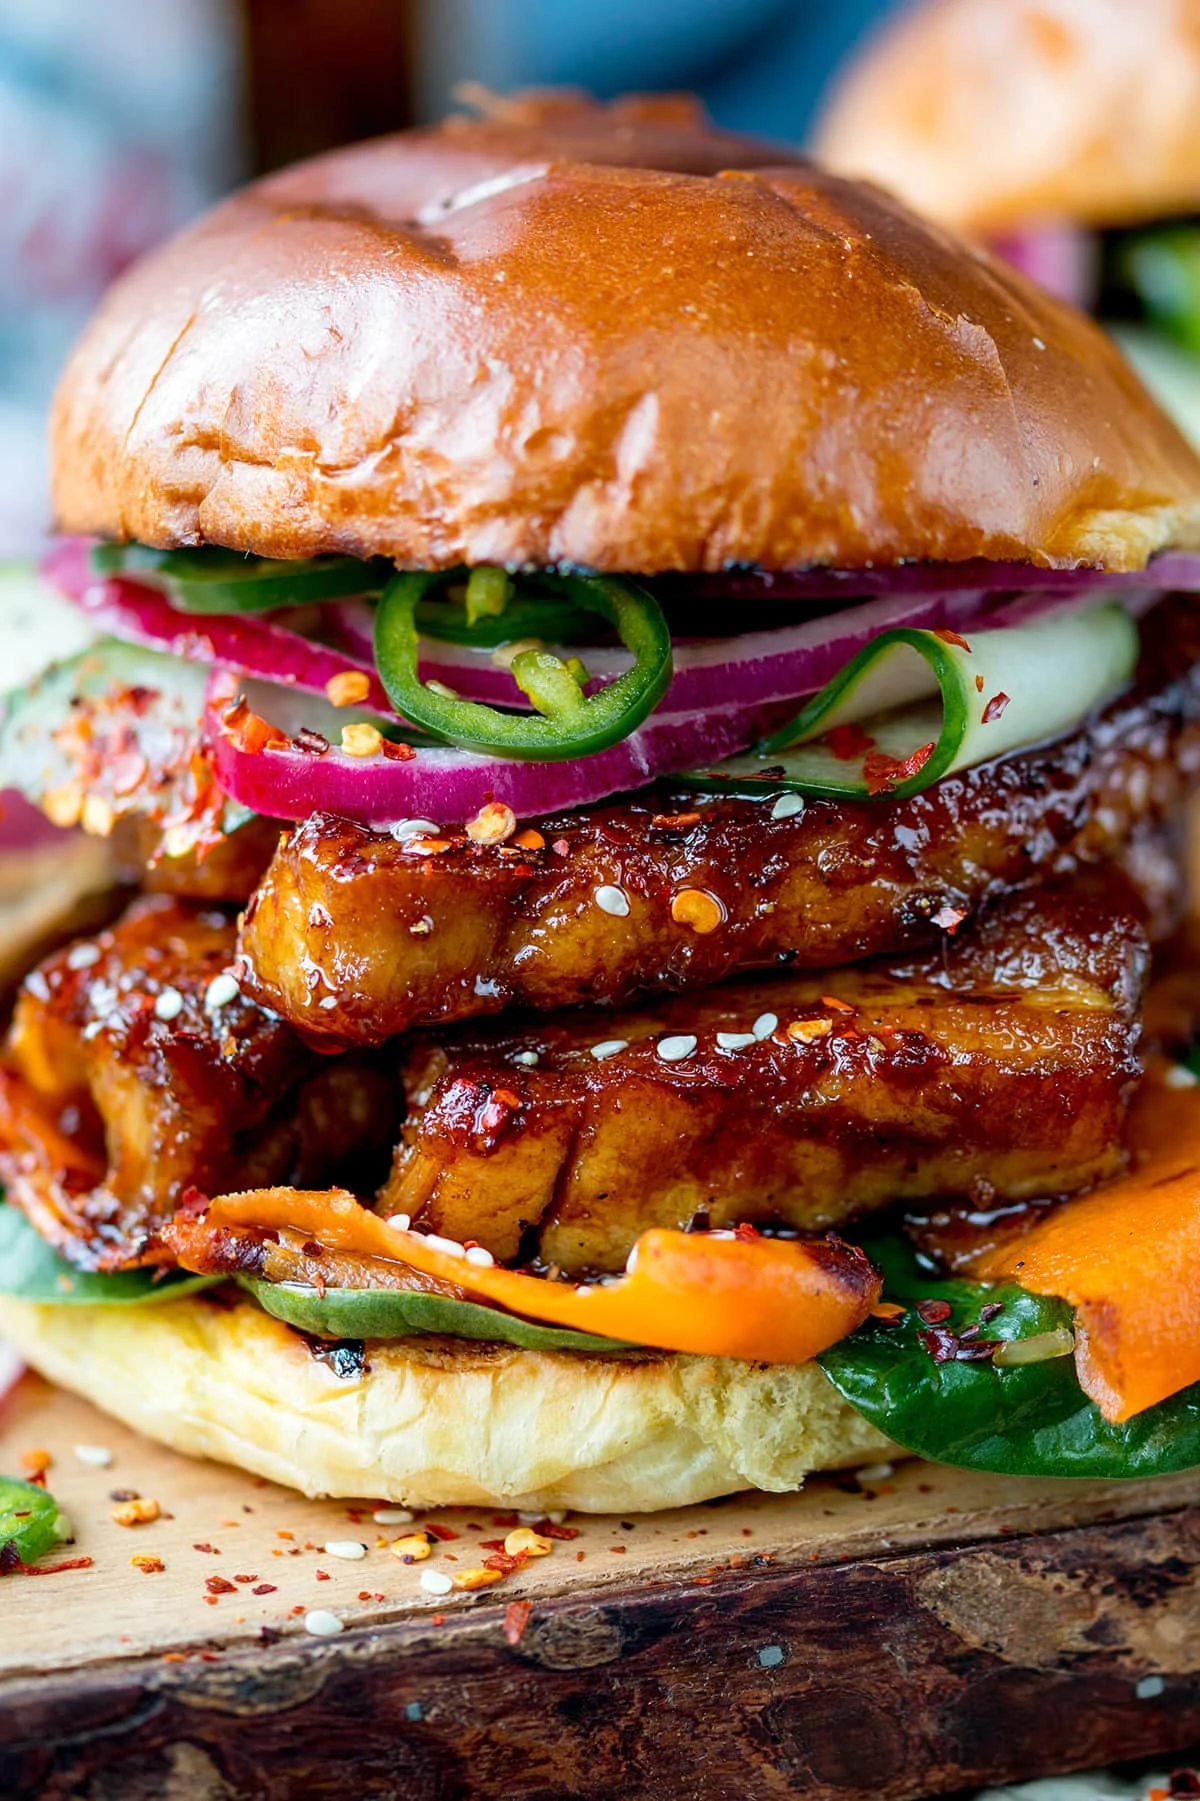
585, 334
988, 114
622, 1434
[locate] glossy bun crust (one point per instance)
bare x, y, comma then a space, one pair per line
435, 1422
987, 114
606, 336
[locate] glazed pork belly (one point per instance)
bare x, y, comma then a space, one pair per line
355, 936
137, 1071
997, 1067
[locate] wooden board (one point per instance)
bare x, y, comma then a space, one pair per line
912, 1634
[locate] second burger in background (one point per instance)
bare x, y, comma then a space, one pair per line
1064, 133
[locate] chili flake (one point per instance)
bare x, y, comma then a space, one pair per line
848, 742
149, 1566
349, 688
994, 709
493, 824
948, 637
697, 908
516, 1618
361, 740
883, 773
934, 1313
136, 1513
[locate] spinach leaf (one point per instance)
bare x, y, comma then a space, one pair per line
1030, 1420
31, 1270
400, 1313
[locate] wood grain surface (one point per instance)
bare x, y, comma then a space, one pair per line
907, 1634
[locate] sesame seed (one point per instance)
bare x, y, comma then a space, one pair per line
788, 806
168, 1005
222, 991
674, 1050
392, 1516
1149, 1688
449, 1246
1180, 1076
349, 1549
413, 828
612, 900
735, 1041
554, 1516
875, 1472
83, 956
764, 1025
480, 1256
322, 1624
99, 1457
1038, 344
436, 1582
528, 1058
442, 691
329, 1002
609, 1047
400, 1222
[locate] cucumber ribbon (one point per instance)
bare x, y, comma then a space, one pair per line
916, 705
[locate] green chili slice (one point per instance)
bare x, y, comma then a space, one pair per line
916, 705
214, 580
566, 722
30, 1519
1163, 270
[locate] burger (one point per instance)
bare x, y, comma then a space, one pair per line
651, 695
1067, 136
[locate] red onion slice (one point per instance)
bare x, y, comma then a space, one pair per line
448, 785
787, 662
1061, 257
24, 826
252, 646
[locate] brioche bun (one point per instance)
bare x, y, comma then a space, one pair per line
987, 114
435, 1422
608, 337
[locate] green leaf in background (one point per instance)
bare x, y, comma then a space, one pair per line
1163, 270
30, 1519
401, 1313
1029, 1420
31, 1270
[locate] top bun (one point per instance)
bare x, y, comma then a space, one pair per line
991, 113
609, 337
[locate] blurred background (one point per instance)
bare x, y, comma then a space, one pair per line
119, 122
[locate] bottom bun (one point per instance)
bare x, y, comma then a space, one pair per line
436, 1422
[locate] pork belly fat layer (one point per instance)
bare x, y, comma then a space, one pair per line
355, 937
1000, 1069
141, 1045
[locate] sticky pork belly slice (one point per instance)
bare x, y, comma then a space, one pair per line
355, 936
998, 1068
137, 1055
